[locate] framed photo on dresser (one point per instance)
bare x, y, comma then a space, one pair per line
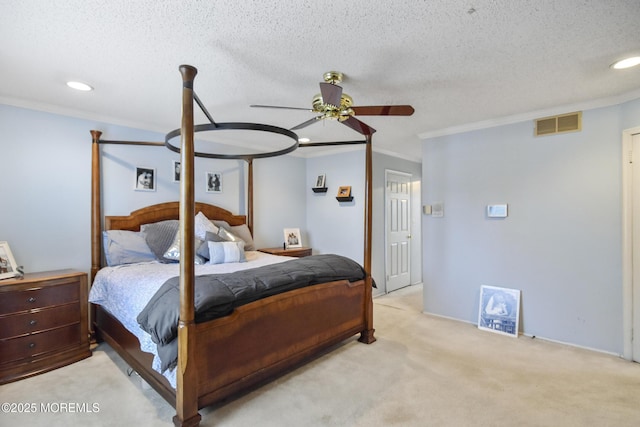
8, 266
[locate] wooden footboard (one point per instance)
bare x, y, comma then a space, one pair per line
257, 342
269, 337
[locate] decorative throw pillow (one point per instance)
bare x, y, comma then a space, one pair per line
235, 233
203, 250
228, 235
160, 235
242, 231
173, 252
223, 252
125, 247
202, 225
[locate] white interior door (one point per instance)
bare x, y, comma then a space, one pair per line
635, 201
397, 229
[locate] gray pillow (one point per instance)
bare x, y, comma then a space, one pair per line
160, 235
203, 250
125, 247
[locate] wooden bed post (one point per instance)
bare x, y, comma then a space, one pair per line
366, 336
186, 375
250, 197
96, 209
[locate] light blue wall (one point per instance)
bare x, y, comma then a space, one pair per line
45, 185
45, 170
337, 227
561, 243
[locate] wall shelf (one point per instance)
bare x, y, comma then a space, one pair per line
344, 198
319, 189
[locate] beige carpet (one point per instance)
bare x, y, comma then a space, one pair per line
422, 371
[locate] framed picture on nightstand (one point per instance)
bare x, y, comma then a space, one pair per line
8, 266
292, 238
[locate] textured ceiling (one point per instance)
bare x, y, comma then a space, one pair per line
457, 62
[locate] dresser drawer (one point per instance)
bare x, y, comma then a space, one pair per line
38, 320
17, 301
43, 323
40, 343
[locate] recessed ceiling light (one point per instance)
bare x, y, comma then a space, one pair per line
626, 63
303, 140
79, 86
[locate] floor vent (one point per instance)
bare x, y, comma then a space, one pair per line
571, 122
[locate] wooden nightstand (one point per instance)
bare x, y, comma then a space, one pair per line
43, 323
297, 252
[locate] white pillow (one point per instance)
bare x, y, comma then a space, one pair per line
202, 225
223, 252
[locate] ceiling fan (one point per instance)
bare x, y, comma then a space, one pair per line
333, 103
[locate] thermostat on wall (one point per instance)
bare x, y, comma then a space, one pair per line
497, 211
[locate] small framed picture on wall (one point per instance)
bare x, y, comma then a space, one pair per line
214, 182
145, 179
176, 170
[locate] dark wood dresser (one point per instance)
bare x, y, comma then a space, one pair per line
43, 323
296, 252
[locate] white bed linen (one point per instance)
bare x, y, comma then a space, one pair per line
125, 290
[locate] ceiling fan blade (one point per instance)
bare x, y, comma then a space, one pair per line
307, 123
383, 110
282, 108
358, 126
331, 94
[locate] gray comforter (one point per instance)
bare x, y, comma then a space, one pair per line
217, 295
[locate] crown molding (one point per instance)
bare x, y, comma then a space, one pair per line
532, 115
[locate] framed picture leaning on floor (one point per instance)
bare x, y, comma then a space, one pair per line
499, 310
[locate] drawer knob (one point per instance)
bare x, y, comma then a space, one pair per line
32, 345
33, 322
32, 299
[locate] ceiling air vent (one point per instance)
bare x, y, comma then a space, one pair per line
571, 122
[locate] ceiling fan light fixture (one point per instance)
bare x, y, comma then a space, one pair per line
626, 63
79, 86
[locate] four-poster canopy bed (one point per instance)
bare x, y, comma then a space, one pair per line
257, 341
